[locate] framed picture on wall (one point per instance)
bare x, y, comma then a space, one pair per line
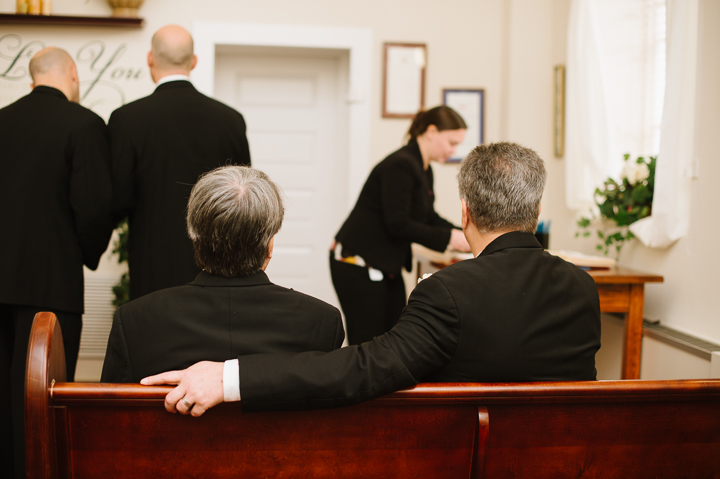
404, 79
470, 104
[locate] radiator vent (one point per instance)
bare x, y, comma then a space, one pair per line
98, 316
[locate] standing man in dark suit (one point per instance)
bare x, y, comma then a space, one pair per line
55, 189
161, 144
231, 308
513, 313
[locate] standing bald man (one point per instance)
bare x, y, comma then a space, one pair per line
160, 145
55, 189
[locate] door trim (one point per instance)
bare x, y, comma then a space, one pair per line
358, 43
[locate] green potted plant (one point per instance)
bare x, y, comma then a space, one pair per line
620, 204
121, 290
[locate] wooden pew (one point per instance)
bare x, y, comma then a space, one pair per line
623, 429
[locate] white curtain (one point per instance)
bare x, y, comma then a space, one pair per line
616, 77
591, 153
670, 217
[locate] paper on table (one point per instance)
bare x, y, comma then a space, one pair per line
446, 257
581, 259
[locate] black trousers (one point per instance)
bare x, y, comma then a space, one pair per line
15, 325
371, 308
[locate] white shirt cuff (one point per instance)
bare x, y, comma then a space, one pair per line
231, 380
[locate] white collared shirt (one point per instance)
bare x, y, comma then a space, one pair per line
231, 380
170, 78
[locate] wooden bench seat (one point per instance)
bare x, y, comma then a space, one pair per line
602, 429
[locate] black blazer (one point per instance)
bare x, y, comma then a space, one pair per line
56, 193
215, 319
395, 209
161, 144
514, 313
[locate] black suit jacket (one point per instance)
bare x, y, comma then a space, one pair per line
394, 209
161, 144
514, 313
215, 319
56, 192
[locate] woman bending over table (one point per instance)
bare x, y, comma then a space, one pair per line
394, 209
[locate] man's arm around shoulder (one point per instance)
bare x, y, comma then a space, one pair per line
423, 340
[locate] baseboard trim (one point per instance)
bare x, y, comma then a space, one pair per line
673, 337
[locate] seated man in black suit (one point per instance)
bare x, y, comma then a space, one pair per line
231, 308
513, 313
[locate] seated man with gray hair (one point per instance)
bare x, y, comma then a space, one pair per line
231, 308
514, 313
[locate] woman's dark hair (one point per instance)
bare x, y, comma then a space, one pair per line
443, 117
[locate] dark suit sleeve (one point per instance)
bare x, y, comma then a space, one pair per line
91, 189
339, 332
397, 186
123, 165
116, 368
423, 340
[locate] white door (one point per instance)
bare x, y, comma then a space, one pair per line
295, 112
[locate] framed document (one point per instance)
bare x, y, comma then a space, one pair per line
404, 79
470, 104
559, 117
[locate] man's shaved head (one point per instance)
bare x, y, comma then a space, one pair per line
50, 61
53, 67
172, 49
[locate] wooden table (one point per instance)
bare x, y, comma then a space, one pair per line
621, 290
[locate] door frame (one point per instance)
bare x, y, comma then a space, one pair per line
358, 43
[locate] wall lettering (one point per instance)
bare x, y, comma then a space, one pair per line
102, 77
17, 55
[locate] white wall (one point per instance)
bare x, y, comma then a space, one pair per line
461, 30
659, 360
534, 39
507, 47
688, 299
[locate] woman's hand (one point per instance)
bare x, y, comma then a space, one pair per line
458, 241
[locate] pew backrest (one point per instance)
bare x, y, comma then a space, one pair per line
536, 430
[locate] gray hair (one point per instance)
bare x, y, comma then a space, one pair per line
233, 213
502, 184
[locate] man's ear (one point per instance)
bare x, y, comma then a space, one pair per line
194, 63
74, 87
271, 245
74, 74
150, 59
465, 214
268, 257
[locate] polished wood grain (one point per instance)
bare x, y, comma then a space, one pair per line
622, 290
78, 394
594, 429
74, 21
45, 365
623, 275
480, 443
